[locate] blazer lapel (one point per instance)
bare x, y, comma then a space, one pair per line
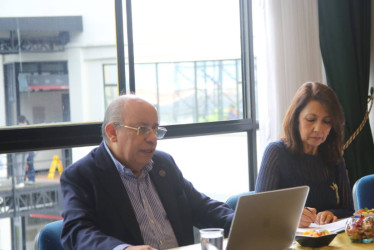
161, 180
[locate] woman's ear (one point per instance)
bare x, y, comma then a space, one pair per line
111, 132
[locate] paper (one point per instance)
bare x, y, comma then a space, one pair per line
334, 227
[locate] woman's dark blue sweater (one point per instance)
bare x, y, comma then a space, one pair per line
281, 169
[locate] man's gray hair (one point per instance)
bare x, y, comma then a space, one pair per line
113, 114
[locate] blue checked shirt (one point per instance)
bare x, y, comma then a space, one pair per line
150, 213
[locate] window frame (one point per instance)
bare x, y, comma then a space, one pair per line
57, 136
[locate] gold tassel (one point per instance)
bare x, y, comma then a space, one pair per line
334, 187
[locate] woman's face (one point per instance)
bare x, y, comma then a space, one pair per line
314, 126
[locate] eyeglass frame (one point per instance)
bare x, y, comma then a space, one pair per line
147, 129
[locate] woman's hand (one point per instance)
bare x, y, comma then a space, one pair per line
325, 217
308, 217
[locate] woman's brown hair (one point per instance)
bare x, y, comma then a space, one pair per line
330, 150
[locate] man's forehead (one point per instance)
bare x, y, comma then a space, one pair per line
137, 103
141, 114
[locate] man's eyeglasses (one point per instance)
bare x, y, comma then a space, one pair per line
159, 131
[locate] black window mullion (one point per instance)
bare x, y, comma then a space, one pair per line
249, 104
130, 46
49, 137
120, 47
79, 135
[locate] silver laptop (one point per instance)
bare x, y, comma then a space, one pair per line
267, 220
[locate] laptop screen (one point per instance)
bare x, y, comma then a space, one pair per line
267, 220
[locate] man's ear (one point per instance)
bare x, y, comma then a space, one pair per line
111, 132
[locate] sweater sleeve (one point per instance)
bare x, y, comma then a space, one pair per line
345, 194
269, 176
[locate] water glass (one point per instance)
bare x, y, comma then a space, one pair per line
211, 238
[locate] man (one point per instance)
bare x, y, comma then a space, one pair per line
20, 159
125, 194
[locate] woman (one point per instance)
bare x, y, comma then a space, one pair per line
310, 153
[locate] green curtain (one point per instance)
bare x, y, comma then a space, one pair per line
344, 29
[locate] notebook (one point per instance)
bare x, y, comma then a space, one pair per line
334, 227
267, 220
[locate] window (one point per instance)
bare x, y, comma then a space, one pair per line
212, 163
193, 64
191, 92
184, 57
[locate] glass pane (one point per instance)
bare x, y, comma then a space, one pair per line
30, 193
110, 74
190, 67
52, 58
110, 83
111, 92
214, 168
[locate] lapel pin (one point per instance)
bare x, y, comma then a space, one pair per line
162, 173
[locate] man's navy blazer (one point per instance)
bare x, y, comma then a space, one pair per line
98, 213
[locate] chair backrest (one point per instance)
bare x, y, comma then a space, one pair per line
49, 237
233, 200
362, 192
